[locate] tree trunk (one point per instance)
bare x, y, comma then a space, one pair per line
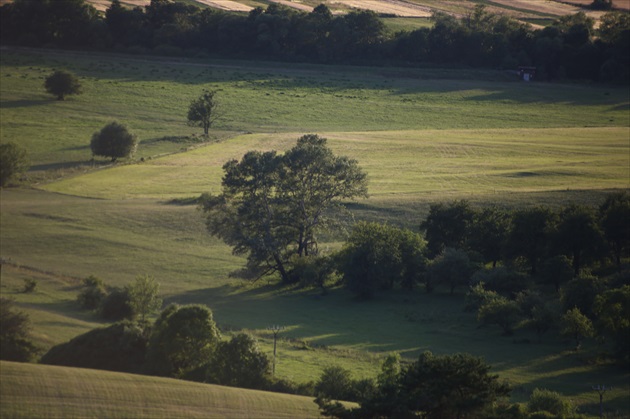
283, 272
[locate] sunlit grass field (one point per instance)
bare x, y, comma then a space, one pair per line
423, 136
33, 391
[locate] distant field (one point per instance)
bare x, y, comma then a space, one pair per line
402, 166
37, 391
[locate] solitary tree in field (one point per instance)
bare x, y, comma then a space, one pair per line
203, 111
114, 141
62, 83
272, 206
13, 161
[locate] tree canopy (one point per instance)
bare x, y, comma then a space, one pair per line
62, 83
114, 141
13, 161
272, 206
203, 111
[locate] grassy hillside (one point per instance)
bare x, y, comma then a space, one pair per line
423, 136
35, 391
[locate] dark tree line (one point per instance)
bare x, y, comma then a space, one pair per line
523, 269
569, 48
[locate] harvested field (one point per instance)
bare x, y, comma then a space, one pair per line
393, 7
229, 5
102, 5
540, 6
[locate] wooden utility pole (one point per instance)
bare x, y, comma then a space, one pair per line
275, 329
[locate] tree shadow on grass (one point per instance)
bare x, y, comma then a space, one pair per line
10, 104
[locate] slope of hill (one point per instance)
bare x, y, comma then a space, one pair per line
31, 391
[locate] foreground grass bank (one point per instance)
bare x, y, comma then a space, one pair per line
36, 391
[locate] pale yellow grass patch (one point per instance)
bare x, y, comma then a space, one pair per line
541, 6
394, 7
229, 5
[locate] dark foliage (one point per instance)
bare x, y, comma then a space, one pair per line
15, 342
62, 83
13, 162
114, 141
433, 387
119, 347
567, 48
239, 363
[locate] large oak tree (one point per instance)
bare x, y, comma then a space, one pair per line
272, 206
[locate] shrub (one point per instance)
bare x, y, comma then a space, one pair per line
62, 83
93, 295
502, 312
116, 305
114, 141
182, 340
13, 161
30, 285
239, 363
119, 347
478, 296
543, 400
15, 344
334, 383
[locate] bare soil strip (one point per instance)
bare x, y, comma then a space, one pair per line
541, 6
394, 7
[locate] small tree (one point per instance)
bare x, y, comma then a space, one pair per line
62, 83
13, 161
15, 343
182, 339
203, 111
576, 325
502, 312
240, 363
543, 400
114, 141
144, 296
452, 267
334, 383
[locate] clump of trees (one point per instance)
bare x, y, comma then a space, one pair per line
115, 141
434, 386
62, 83
140, 298
570, 47
184, 342
13, 162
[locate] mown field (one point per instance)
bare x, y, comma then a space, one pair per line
34, 391
422, 136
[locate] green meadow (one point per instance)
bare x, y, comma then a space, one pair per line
422, 135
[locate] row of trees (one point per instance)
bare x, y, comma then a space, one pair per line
569, 47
